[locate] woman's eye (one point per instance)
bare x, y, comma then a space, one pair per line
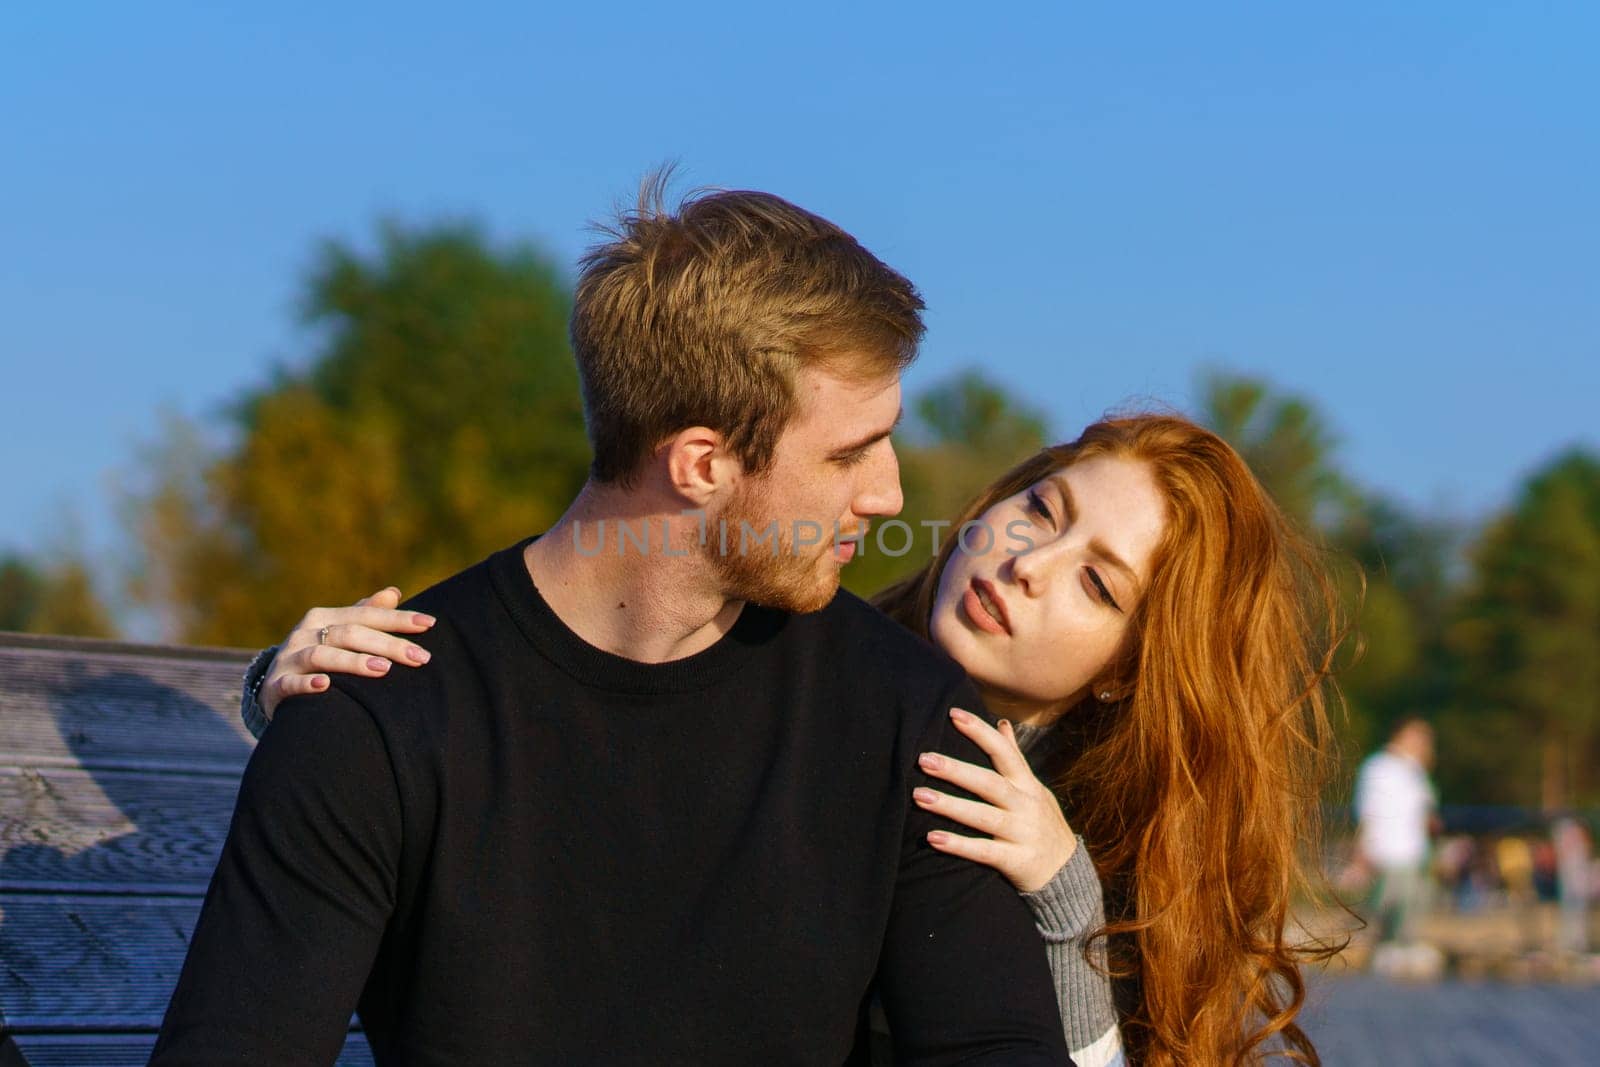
1037, 505
1101, 589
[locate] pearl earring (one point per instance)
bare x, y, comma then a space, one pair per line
1105, 696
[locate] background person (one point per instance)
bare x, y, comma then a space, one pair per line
1574, 863
1395, 803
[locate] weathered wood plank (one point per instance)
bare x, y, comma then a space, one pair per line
1362, 1019
107, 830
81, 706
90, 963
87, 964
118, 771
120, 1050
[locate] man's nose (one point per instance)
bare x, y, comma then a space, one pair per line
880, 494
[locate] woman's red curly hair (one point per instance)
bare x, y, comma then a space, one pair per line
1198, 790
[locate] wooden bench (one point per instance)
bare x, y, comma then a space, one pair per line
119, 765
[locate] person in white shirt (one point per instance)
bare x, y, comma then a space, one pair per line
1574, 858
1395, 803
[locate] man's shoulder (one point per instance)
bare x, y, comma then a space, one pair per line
473, 606
1378, 761
462, 595
470, 620
1388, 763
1370, 772
862, 642
1388, 772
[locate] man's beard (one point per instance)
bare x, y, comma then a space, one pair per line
749, 570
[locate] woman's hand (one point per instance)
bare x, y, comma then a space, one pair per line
1029, 839
359, 640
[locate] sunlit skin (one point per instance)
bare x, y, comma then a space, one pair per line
834, 469
832, 464
1066, 601
1061, 607
1044, 632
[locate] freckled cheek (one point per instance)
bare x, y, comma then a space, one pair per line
1067, 649
1068, 624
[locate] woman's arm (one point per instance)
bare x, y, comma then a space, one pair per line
1031, 844
359, 639
1066, 910
254, 715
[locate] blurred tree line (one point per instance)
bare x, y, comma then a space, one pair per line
1493, 635
51, 598
438, 419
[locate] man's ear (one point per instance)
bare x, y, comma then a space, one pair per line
699, 466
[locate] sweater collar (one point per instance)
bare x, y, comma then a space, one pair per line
754, 630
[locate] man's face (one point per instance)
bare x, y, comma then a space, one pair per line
1416, 741
833, 469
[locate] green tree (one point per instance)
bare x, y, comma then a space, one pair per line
1400, 665
55, 598
1390, 568
438, 419
21, 585
1284, 440
1528, 640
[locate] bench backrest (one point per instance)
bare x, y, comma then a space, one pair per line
119, 765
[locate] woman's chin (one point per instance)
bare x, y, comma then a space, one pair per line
956, 641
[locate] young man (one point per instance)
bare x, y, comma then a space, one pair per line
1395, 802
650, 801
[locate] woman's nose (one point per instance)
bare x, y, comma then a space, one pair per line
1033, 568
1026, 569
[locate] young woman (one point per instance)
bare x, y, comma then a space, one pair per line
1156, 638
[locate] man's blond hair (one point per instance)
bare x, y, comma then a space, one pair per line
704, 316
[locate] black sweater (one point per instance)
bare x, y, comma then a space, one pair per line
534, 851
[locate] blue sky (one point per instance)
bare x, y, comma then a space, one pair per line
1389, 208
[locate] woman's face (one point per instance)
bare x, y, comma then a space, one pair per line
1037, 627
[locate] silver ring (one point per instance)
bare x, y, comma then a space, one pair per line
322, 635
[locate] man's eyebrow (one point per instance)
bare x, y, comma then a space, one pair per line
1097, 546
870, 440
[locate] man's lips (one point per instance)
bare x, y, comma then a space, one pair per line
985, 607
846, 543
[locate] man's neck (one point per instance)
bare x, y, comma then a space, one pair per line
1401, 752
651, 604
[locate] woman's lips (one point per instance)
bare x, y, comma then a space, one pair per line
982, 617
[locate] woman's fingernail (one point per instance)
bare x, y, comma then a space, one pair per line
1005, 724
319, 682
418, 655
374, 663
958, 715
924, 796
423, 620
937, 837
929, 760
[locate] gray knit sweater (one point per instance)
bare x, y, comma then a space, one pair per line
1066, 911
